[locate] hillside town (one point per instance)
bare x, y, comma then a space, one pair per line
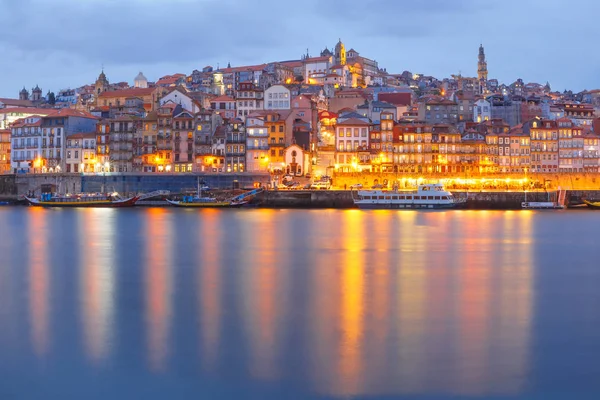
334, 112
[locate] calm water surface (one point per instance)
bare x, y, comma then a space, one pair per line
264, 304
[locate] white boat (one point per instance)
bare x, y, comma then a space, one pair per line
546, 205
540, 205
427, 196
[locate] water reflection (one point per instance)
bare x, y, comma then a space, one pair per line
350, 346
261, 304
340, 303
210, 264
444, 282
411, 276
97, 281
39, 280
157, 265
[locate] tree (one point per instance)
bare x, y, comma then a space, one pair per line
299, 79
51, 98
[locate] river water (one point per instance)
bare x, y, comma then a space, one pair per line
270, 304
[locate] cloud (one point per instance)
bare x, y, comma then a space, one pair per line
125, 32
63, 43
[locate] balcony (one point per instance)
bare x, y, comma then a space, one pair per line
236, 139
259, 147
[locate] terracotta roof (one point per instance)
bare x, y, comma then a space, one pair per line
67, 112
16, 102
26, 110
292, 64
133, 92
316, 59
354, 122
22, 122
244, 68
222, 99
167, 81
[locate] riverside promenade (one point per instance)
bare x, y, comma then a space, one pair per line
12, 187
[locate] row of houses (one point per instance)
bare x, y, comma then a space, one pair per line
492, 146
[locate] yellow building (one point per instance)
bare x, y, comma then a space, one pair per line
276, 128
4, 151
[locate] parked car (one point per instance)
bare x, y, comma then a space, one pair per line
321, 185
378, 186
356, 186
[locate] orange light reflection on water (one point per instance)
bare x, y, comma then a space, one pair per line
97, 281
158, 285
209, 283
261, 302
39, 280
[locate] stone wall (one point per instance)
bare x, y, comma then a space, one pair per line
475, 200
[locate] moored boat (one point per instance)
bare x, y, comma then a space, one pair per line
541, 205
196, 201
81, 200
427, 196
595, 205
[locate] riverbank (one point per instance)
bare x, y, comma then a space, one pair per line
342, 199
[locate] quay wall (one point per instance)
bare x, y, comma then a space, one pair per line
475, 200
13, 186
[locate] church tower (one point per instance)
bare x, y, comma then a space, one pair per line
340, 53
101, 83
482, 72
24, 94
36, 94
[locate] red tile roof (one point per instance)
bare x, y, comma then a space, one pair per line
244, 68
16, 102
354, 122
67, 112
397, 99
221, 99
23, 122
316, 59
26, 110
133, 92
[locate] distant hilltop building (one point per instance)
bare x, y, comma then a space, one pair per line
140, 81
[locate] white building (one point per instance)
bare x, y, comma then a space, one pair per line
316, 68
296, 160
482, 111
9, 115
351, 137
249, 99
277, 97
179, 96
26, 144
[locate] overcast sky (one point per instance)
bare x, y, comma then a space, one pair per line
64, 43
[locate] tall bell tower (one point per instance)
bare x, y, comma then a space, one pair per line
482, 72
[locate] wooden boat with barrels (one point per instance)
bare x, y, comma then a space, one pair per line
81, 200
